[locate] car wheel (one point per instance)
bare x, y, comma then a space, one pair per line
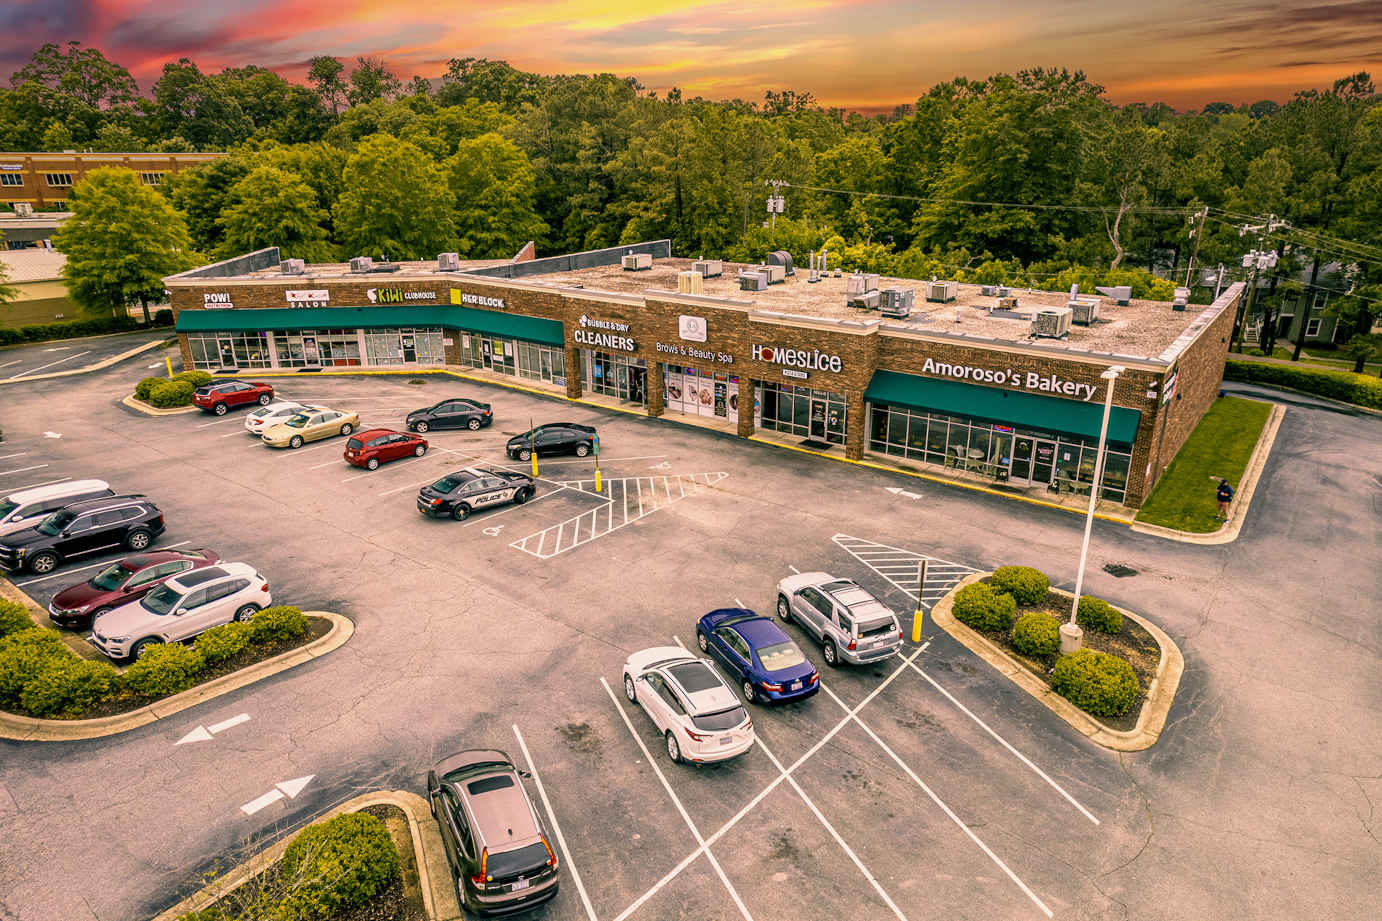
347, 429
295, 441
246, 612
473, 425
629, 692
45, 561
523, 495
784, 610
461, 512
144, 646
524, 454
750, 692
832, 656
95, 614
219, 409
419, 450
702, 642
421, 428
582, 449
673, 749
265, 399
372, 464
138, 539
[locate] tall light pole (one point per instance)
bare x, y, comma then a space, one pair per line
1071, 636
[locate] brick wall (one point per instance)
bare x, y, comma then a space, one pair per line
35, 166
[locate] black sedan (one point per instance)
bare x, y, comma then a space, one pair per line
474, 488
553, 438
451, 414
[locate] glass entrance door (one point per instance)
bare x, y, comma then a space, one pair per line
227, 351
407, 341
1022, 460
818, 419
309, 351
1043, 461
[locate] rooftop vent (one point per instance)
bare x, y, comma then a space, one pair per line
637, 262
1052, 322
708, 268
448, 262
1121, 294
897, 302
867, 300
783, 258
293, 267
690, 283
361, 264
941, 292
753, 281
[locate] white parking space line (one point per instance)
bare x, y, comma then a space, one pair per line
485, 519
719, 871
217, 422
60, 479
400, 464
8, 456
937, 800
68, 572
738, 603
793, 569
22, 469
849, 852
1001, 741
52, 363
556, 828
241, 434
8, 363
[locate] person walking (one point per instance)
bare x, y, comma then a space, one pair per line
1225, 496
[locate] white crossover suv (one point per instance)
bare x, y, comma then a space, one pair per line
700, 718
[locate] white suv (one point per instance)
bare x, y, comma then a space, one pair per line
181, 608
700, 718
850, 624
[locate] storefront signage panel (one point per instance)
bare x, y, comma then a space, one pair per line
218, 300
603, 334
801, 359
476, 300
315, 298
690, 351
398, 295
1030, 380
692, 329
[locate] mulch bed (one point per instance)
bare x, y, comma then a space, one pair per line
317, 627
1133, 643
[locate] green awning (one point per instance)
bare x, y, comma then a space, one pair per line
486, 322
1006, 407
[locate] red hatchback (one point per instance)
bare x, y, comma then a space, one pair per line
219, 396
127, 580
379, 446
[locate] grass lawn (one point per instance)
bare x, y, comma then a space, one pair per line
1219, 447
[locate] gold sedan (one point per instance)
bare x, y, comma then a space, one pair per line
313, 425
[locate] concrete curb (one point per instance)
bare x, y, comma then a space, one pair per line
29, 729
1230, 529
438, 898
1353, 408
73, 372
1155, 709
139, 405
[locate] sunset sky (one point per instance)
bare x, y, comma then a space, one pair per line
866, 55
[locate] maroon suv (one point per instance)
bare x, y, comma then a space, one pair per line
219, 396
379, 446
127, 580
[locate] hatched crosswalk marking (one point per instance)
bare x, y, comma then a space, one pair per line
899, 567
626, 500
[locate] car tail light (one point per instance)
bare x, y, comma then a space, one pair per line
899, 633
697, 736
480, 879
813, 679
777, 688
487, 412
551, 855
852, 644
264, 587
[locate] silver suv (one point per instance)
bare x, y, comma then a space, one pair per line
850, 624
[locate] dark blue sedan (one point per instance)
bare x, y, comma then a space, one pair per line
767, 664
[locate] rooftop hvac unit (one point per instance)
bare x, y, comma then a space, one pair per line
1052, 322
897, 302
859, 283
776, 274
1121, 294
1003, 291
989, 290
362, 264
448, 262
690, 283
1007, 302
1084, 312
23, 209
783, 258
708, 268
868, 300
1179, 304
637, 262
753, 281
293, 267
942, 292
1182, 294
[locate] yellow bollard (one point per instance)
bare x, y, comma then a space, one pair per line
921, 591
169, 362
535, 465
916, 625
597, 479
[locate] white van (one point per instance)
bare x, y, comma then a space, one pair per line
26, 508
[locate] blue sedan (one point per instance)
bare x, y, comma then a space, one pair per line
767, 664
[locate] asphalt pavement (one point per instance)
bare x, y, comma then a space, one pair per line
21, 361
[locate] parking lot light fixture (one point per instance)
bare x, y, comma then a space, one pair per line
1071, 636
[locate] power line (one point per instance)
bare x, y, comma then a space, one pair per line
1099, 209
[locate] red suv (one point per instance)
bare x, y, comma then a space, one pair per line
379, 446
219, 396
127, 580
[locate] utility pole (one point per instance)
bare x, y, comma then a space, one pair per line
1256, 260
1196, 233
776, 203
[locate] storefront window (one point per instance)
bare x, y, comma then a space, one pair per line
541, 362
820, 415
619, 376
212, 351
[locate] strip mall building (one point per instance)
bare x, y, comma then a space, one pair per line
958, 384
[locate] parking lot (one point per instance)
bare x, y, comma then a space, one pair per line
922, 787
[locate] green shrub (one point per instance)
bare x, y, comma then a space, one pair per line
276, 624
195, 378
69, 329
1025, 584
163, 317
220, 643
13, 618
167, 394
1096, 682
1037, 634
146, 386
68, 687
1359, 389
1098, 614
982, 608
164, 669
337, 865
23, 657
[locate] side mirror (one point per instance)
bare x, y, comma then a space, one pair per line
179, 612
524, 774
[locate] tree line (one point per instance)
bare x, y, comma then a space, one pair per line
1028, 178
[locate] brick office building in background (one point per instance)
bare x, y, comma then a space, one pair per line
44, 180
960, 384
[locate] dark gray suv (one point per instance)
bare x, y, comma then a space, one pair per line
500, 856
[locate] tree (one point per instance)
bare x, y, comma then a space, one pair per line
115, 138
57, 136
122, 240
274, 207
493, 183
419, 86
188, 103
396, 202
324, 73
7, 292
1118, 152
370, 80
202, 195
489, 81
83, 74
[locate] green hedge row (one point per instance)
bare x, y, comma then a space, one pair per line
1358, 389
39, 676
166, 393
71, 329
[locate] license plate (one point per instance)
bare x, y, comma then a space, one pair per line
796, 686
520, 885
727, 740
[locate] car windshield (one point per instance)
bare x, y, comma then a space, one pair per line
780, 655
718, 722
6, 506
54, 523
112, 577
695, 677
445, 485
297, 421
161, 600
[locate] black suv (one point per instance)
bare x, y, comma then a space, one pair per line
130, 522
553, 438
451, 414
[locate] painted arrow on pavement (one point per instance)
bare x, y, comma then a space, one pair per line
288, 788
204, 733
898, 491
